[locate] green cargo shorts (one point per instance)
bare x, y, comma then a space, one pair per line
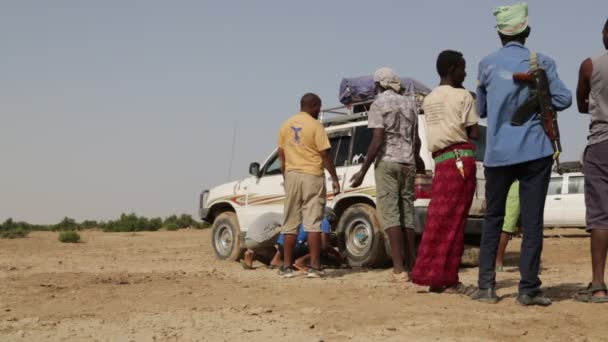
395, 194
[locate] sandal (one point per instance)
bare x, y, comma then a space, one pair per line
587, 295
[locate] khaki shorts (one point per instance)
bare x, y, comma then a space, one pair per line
395, 194
304, 202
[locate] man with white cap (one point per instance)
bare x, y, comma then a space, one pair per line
521, 153
393, 118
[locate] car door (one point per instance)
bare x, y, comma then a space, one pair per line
340, 153
360, 145
574, 201
264, 193
554, 204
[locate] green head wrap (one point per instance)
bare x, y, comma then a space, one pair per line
512, 20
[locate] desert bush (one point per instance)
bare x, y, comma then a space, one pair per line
70, 236
183, 221
67, 224
132, 223
89, 224
171, 226
12, 230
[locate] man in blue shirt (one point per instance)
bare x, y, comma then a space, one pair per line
514, 152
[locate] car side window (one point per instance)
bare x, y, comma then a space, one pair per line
576, 185
340, 148
273, 167
363, 137
555, 186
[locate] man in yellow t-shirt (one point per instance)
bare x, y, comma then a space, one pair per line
304, 153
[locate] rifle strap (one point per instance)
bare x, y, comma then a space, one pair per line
533, 61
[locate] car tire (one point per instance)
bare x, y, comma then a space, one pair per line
226, 236
363, 237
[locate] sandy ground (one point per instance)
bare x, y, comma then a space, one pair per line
168, 286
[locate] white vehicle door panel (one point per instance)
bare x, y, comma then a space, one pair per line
574, 202
263, 194
554, 204
340, 151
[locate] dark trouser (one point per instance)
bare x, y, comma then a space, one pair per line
533, 179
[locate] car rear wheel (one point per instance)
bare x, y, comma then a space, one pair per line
226, 237
363, 237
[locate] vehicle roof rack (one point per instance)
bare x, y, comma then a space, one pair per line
345, 112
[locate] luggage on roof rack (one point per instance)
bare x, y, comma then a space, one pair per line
358, 89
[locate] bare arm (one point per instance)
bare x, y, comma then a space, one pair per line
420, 167
584, 86
473, 132
373, 150
372, 153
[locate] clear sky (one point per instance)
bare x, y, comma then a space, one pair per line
129, 106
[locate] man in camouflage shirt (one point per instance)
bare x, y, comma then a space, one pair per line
394, 119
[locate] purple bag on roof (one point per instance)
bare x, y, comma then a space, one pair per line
358, 89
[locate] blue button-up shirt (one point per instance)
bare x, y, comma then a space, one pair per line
498, 97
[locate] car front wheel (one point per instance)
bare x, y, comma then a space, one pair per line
363, 236
226, 237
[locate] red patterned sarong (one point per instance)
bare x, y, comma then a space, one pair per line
442, 241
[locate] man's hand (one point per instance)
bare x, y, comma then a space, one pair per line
336, 185
357, 179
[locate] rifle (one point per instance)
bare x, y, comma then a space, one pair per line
539, 102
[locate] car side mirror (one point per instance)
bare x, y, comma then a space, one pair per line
254, 169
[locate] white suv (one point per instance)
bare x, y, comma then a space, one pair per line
565, 205
233, 206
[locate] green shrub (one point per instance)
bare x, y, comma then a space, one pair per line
132, 223
67, 224
14, 233
70, 236
183, 221
171, 226
12, 230
89, 224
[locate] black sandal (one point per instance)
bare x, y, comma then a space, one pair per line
587, 295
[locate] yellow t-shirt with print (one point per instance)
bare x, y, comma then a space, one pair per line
302, 138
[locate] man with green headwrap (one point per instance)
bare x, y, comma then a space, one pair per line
512, 153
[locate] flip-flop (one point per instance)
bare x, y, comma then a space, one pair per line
587, 295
